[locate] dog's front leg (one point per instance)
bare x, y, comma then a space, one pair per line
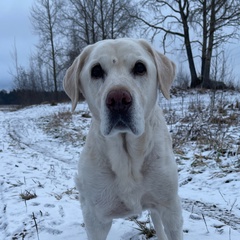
171, 217
157, 222
96, 228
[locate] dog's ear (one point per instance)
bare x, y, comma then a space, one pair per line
71, 81
166, 69
166, 73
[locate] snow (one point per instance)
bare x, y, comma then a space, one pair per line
40, 148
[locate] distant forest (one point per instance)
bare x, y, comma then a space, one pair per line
29, 97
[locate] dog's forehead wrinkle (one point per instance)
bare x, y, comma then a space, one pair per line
118, 51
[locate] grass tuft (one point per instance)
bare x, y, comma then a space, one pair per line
144, 227
28, 195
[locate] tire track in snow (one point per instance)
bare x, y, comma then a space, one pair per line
22, 143
25, 133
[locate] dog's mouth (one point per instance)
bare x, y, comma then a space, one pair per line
120, 123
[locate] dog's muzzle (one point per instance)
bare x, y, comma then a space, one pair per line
119, 104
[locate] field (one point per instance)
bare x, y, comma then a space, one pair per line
40, 147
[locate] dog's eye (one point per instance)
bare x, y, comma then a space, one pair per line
139, 69
97, 72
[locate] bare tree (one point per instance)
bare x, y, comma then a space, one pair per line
45, 19
219, 21
17, 69
172, 19
222, 68
213, 23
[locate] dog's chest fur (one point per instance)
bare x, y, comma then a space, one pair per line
128, 174
125, 189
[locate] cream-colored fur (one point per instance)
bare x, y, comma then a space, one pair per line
126, 166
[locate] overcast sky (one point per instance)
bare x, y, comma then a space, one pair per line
14, 24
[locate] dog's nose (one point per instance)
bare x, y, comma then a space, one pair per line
119, 100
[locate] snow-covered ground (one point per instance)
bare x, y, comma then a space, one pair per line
40, 148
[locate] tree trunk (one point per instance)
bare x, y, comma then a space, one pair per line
204, 37
194, 78
207, 63
54, 69
53, 54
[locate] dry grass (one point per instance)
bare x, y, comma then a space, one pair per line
144, 227
61, 126
208, 127
71, 193
28, 195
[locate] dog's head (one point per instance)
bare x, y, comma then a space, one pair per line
119, 79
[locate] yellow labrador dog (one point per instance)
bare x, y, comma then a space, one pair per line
127, 164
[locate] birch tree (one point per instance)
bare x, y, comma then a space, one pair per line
45, 20
89, 21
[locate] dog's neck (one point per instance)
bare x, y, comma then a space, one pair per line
126, 156
131, 152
